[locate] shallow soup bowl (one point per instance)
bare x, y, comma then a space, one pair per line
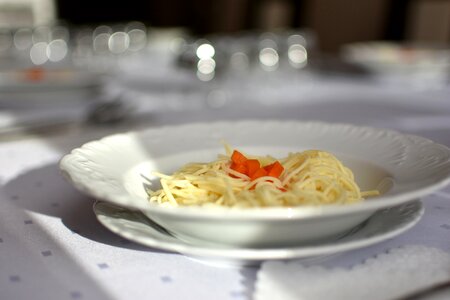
118, 169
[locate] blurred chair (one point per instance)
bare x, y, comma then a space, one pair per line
346, 21
274, 14
429, 21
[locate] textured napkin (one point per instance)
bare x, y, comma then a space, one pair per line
390, 275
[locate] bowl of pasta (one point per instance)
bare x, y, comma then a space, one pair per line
258, 183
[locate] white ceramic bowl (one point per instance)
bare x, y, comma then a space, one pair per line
403, 167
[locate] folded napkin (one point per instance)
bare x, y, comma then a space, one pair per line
390, 275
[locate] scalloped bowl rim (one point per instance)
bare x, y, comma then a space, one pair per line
256, 213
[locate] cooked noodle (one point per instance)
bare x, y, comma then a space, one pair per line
311, 177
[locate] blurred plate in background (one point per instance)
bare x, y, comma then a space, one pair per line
412, 63
43, 79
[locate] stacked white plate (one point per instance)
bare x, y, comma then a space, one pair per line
116, 169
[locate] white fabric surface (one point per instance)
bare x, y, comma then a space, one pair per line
52, 247
395, 273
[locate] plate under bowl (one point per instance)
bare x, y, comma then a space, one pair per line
403, 167
382, 225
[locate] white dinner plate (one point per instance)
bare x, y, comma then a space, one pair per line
46, 80
389, 59
116, 168
56, 88
384, 224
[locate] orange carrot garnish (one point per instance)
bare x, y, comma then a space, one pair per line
275, 169
241, 168
238, 158
252, 167
259, 173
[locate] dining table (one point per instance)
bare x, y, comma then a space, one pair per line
53, 246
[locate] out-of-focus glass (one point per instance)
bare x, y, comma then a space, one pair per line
118, 42
38, 53
239, 61
268, 52
268, 57
205, 51
101, 43
297, 52
206, 65
137, 35
41, 34
206, 69
23, 38
137, 39
102, 29
60, 33
57, 50
230, 58
298, 56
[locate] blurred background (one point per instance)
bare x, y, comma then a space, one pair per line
161, 53
334, 22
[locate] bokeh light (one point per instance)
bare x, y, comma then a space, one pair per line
206, 69
205, 51
298, 56
57, 50
38, 53
239, 61
23, 38
268, 58
118, 42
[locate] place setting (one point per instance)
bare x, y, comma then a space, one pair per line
394, 170
251, 150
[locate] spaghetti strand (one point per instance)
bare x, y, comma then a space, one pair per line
312, 177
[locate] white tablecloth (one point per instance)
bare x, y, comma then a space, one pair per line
52, 247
